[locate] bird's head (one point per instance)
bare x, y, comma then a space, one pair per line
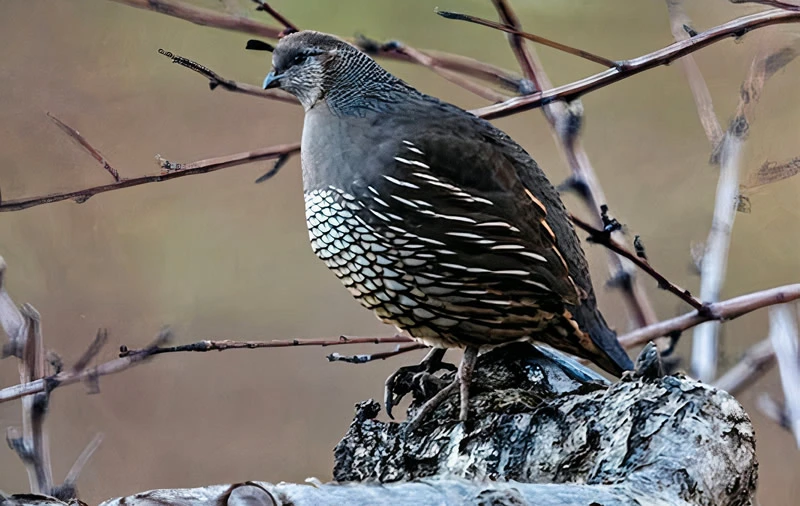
315, 66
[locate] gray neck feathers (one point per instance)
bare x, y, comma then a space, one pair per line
356, 84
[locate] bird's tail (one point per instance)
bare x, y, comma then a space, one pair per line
592, 339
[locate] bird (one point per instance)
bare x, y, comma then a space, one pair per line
433, 218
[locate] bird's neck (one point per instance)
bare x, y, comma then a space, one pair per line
361, 86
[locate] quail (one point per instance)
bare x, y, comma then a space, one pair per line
432, 217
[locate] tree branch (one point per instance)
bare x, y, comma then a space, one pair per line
565, 123
77, 137
718, 311
215, 80
756, 361
784, 339
174, 171
492, 73
628, 68
714, 264
207, 17
772, 3
288, 26
371, 357
129, 358
680, 24
32, 447
604, 238
514, 30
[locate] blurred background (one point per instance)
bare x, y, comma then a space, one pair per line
218, 257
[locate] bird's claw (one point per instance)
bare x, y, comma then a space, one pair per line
415, 378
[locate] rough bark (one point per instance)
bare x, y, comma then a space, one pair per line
543, 430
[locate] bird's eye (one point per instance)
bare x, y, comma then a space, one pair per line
300, 58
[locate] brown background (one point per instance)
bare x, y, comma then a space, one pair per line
216, 256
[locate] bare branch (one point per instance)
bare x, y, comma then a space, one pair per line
485, 71
756, 361
435, 65
714, 266
34, 408
718, 311
604, 237
75, 135
629, 68
215, 80
772, 3
679, 22
180, 170
68, 489
513, 30
11, 319
784, 338
205, 17
715, 258
129, 358
565, 122
371, 357
223, 345
91, 352
288, 26
772, 409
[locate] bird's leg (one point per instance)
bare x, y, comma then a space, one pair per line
403, 380
465, 378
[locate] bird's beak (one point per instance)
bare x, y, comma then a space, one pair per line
272, 80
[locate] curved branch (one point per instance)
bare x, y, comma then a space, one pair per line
199, 167
719, 311
628, 68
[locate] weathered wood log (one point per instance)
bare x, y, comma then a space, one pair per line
543, 431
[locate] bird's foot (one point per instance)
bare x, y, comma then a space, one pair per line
416, 378
462, 382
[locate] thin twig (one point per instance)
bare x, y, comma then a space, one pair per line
32, 367
604, 238
75, 135
215, 80
371, 357
223, 345
772, 3
11, 320
83, 459
719, 311
288, 26
714, 265
580, 53
679, 22
784, 338
565, 123
69, 489
207, 17
772, 409
629, 68
432, 63
756, 361
180, 170
129, 358
91, 352
492, 73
